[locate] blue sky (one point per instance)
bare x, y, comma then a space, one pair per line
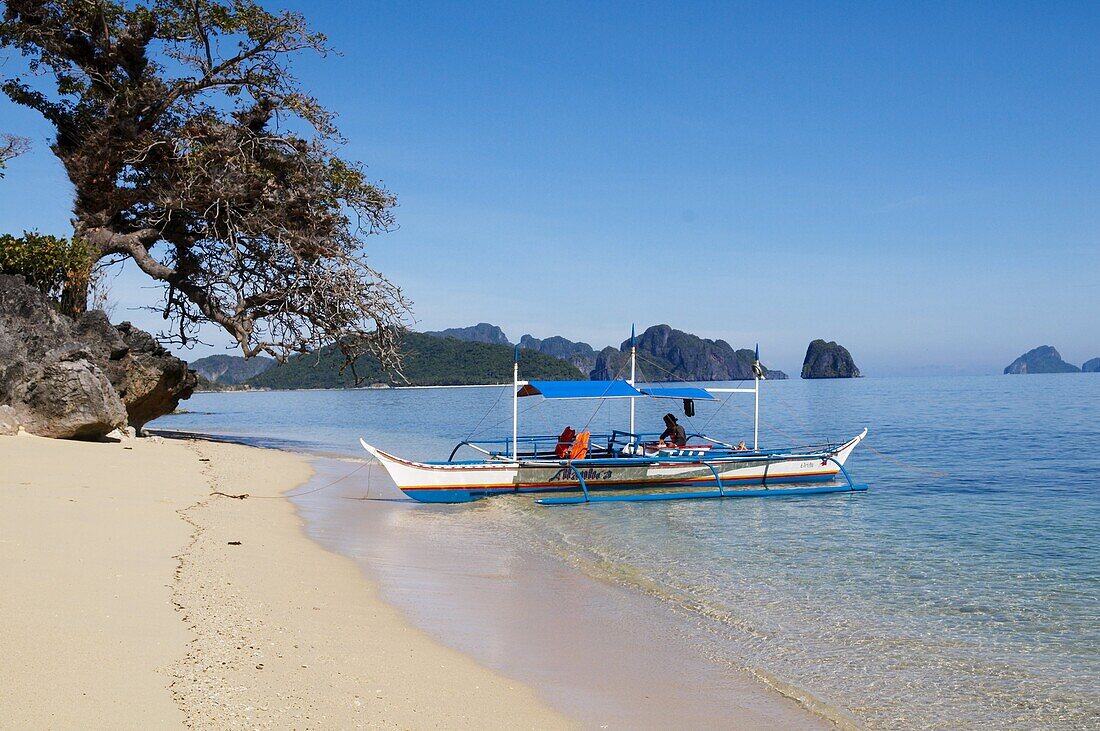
920, 182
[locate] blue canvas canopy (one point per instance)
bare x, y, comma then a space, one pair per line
681, 392
579, 389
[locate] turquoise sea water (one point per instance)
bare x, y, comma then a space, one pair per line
961, 591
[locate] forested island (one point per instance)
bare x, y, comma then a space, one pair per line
482, 355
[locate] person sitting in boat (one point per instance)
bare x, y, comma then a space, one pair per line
673, 432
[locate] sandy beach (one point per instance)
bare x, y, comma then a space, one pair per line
135, 596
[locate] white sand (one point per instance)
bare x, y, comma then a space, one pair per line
124, 606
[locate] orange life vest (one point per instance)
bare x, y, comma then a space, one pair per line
580, 446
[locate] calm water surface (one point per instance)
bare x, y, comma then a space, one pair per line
961, 591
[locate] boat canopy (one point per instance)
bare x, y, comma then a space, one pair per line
679, 392
579, 389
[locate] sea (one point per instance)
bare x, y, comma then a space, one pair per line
961, 591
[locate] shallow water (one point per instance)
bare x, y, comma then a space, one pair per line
961, 591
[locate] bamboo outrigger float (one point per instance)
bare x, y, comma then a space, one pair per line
616, 467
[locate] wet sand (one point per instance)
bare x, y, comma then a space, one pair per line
602, 654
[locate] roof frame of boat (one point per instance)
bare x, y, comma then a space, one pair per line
624, 389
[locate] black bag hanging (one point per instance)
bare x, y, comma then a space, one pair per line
689, 407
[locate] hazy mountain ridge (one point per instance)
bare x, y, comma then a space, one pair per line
483, 332
580, 355
230, 370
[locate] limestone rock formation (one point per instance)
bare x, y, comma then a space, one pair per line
1044, 359
82, 379
669, 354
1091, 366
828, 360
230, 370
482, 332
580, 355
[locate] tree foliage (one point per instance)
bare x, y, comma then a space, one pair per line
45, 262
194, 151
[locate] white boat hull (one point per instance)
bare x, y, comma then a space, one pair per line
729, 475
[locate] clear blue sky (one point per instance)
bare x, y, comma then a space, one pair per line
920, 182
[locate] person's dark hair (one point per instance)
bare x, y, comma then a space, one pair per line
670, 419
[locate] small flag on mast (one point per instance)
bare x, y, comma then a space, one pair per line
757, 369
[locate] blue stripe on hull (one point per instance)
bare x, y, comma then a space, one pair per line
465, 496
698, 495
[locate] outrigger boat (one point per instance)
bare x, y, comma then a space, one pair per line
623, 465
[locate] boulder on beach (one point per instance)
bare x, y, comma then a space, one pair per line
828, 360
79, 379
1044, 359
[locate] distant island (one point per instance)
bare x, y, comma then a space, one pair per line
482, 354
828, 360
230, 370
1044, 359
580, 355
1091, 366
482, 332
430, 360
667, 354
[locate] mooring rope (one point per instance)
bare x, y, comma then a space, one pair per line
244, 495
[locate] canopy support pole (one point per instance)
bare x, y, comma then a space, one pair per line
633, 363
515, 402
756, 416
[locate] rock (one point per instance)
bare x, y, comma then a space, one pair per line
1091, 366
669, 354
80, 379
9, 421
151, 380
828, 360
580, 355
482, 332
1044, 359
609, 365
71, 398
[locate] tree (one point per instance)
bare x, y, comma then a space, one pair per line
11, 146
195, 152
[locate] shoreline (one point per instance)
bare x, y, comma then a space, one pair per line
136, 598
596, 650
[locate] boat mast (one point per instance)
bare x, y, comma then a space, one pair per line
515, 401
633, 362
757, 374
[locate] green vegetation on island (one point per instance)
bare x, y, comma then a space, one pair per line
429, 360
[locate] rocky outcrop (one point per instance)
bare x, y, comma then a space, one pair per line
580, 355
828, 360
1091, 366
82, 379
670, 354
482, 332
230, 370
150, 380
1044, 359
